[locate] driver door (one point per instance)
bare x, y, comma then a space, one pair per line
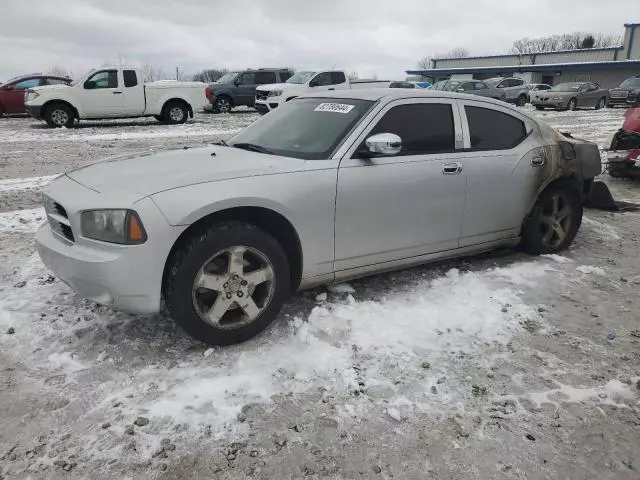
411, 204
246, 89
102, 95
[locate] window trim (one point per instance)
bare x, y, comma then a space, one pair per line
528, 124
362, 131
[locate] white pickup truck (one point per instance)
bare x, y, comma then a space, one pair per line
115, 93
271, 96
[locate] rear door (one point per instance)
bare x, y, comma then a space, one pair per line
133, 93
102, 95
503, 165
395, 207
13, 98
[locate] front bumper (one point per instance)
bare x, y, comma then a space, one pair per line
34, 111
126, 277
617, 101
549, 103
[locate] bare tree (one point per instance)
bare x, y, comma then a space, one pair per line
565, 41
209, 75
59, 71
426, 63
151, 73
353, 75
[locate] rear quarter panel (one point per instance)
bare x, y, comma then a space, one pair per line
306, 198
158, 95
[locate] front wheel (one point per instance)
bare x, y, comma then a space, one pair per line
573, 103
227, 283
175, 112
522, 101
553, 222
59, 115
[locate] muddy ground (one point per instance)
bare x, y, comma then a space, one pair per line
500, 366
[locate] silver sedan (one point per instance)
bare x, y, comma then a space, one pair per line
326, 188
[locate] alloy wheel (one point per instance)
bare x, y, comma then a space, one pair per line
555, 220
223, 105
233, 287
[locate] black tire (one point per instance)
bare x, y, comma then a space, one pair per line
59, 115
185, 264
539, 107
601, 103
572, 105
522, 100
222, 104
536, 236
175, 112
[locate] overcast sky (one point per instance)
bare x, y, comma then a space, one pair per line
382, 37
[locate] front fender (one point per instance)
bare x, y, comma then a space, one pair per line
45, 99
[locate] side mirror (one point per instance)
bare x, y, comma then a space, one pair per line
236, 82
90, 85
384, 144
502, 85
314, 83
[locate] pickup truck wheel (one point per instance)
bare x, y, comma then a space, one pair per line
522, 100
175, 112
59, 115
227, 283
222, 104
553, 222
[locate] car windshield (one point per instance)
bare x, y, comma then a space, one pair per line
631, 83
82, 78
305, 128
451, 85
492, 82
301, 77
227, 77
566, 87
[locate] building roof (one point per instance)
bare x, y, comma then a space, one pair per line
530, 68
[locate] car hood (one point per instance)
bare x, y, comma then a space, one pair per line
50, 87
278, 86
149, 173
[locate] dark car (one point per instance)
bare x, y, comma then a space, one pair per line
627, 93
475, 87
402, 85
572, 95
239, 88
12, 91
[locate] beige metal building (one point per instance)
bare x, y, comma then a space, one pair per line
606, 66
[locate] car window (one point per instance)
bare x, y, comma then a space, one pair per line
423, 127
593, 87
493, 130
322, 79
284, 76
544, 87
630, 83
54, 81
503, 84
515, 82
584, 88
105, 79
130, 78
466, 86
337, 78
248, 78
33, 82
480, 86
264, 78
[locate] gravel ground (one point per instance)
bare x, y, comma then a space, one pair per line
500, 366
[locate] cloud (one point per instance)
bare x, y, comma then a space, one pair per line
371, 37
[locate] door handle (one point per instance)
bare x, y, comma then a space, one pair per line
116, 93
331, 89
452, 168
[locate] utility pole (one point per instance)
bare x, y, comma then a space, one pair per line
177, 78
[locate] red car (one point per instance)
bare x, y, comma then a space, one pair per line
12, 91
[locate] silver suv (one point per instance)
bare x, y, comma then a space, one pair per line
515, 89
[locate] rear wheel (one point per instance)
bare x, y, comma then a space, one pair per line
601, 103
59, 115
553, 222
573, 103
175, 112
522, 100
227, 283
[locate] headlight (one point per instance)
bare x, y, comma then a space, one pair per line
113, 226
556, 98
275, 93
30, 95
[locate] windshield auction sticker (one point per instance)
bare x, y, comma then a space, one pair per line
334, 107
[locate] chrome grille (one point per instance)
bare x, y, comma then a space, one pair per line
58, 219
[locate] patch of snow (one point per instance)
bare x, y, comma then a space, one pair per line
208, 352
557, 258
589, 269
394, 414
66, 362
18, 184
342, 288
604, 230
613, 391
322, 297
22, 220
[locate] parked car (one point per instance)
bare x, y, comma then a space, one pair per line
623, 156
327, 187
537, 88
12, 91
112, 92
439, 85
269, 97
515, 89
403, 85
572, 95
627, 93
235, 89
475, 87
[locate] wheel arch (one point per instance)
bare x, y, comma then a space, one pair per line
272, 222
49, 103
178, 99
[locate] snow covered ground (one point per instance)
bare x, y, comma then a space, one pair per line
497, 366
